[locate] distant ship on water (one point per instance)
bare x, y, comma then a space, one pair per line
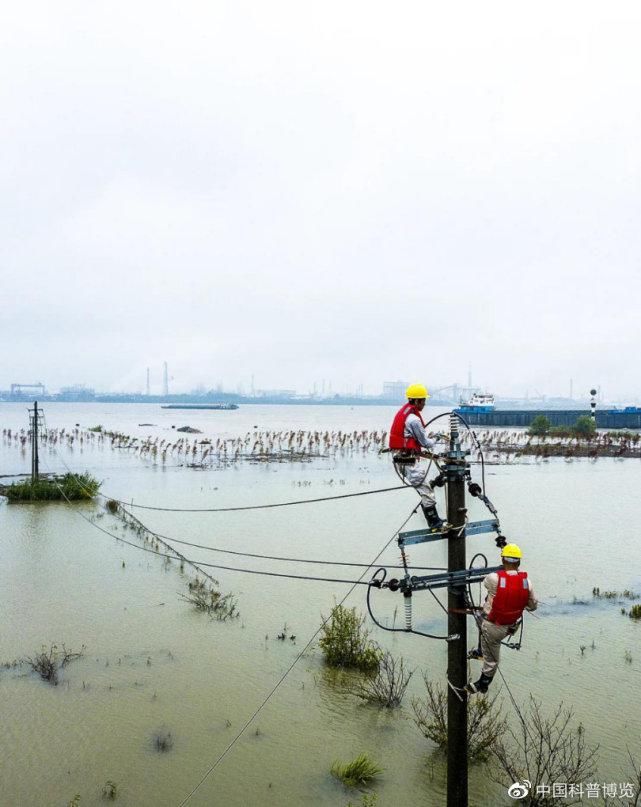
479, 403
223, 406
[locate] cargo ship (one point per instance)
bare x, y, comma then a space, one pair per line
479, 404
224, 406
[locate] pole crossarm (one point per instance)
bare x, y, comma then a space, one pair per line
463, 577
422, 536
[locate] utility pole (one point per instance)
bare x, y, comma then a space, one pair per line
148, 387
456, 472
34, 417
593, 394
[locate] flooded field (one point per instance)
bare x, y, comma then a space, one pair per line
153, 666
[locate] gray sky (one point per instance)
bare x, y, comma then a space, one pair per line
303, 190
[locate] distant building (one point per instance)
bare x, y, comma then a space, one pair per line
77, 392
395, 389
275, 393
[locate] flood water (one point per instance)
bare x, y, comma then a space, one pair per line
152, 663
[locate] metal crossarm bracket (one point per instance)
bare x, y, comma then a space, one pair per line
422, 536
477, 527
444, 580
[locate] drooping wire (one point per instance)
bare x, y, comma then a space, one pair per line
169, 538
375, 582
252, 506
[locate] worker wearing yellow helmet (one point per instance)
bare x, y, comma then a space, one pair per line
509, 593
407, 441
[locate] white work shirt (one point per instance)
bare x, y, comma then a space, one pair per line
491, 583
414, 428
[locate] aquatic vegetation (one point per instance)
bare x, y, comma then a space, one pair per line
387, 687
367, 800
162, 741
538, 747
74, 487
110, 790
635, 612
540, 426
485, 722
209, 599
360, 772
48, 663
75, 801
111, 506
345, 641
626, 594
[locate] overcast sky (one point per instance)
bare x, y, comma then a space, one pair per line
354, 191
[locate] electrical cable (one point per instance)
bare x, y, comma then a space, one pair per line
170, 538
252, 506
376, 582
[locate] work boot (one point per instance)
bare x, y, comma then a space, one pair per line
434, 521
475, 654
479, 686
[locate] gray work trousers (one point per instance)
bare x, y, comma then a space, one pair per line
491, 637
416, 476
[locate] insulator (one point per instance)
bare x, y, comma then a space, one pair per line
453, 426
408, 611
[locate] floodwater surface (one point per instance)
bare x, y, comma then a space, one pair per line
152, 664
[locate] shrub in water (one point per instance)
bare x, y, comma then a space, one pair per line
346, 643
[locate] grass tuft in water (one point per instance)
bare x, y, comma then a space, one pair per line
635, 612
360, 772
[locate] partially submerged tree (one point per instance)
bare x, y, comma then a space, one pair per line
387, 687
485, 722
543, 750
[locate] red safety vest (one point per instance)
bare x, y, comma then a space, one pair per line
512, 595
397, 439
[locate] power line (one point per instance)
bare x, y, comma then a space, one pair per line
252, 506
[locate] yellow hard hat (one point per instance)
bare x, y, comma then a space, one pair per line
511, 552
415, 391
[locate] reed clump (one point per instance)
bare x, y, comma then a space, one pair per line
209, 599
360, 772
345, 641
635, 612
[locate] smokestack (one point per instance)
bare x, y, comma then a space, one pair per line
165, 380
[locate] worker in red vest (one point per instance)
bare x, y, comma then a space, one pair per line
407, 439
509, 593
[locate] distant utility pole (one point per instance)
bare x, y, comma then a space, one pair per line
456, 472
148, 389
165, 380
593, 405
35, 418
571, 389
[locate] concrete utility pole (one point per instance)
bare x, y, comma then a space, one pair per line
34, 416
148, 387
456, 472
165, 380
